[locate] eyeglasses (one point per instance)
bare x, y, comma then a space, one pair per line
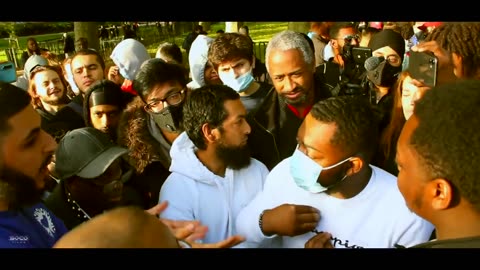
172, 100
392, 59
348, 38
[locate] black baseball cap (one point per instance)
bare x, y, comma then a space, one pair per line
85, 152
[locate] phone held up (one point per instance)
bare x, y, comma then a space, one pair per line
423, 66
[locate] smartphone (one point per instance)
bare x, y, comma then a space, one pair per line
423, 66
360, 54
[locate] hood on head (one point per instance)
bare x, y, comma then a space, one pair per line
129, 55
32, 62
197, 59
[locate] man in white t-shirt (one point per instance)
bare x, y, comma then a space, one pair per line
328, 187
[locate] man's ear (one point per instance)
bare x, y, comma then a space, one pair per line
457, 65
356, 164
440, 193
210, 134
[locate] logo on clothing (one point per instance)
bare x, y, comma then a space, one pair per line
43, 217
18, 239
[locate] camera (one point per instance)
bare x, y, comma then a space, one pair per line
353, 79
423, 66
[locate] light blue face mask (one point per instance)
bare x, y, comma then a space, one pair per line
306, 172
239, 84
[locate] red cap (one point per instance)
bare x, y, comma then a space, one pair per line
425, 25
376, 25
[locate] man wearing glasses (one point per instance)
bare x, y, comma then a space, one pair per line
152, 121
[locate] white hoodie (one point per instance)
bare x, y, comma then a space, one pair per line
195, 193
197, 59
128, 56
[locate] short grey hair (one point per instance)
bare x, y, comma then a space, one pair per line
287, 40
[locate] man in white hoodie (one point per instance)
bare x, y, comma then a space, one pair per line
213, 176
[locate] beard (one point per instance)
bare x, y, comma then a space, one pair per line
18, 189
235, 157
298, 101
59, 101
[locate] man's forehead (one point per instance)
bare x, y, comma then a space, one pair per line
83, 60
46, 74
24, 122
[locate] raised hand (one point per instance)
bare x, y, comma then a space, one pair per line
290, 220
445, 62
114, 75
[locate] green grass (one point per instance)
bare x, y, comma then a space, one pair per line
22, 41
259, 32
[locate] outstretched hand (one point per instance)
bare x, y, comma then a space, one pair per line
188, 230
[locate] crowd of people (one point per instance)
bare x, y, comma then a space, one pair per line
318, 147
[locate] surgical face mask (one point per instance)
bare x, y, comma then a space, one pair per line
168, 118
306, 172
384, 74
238, 84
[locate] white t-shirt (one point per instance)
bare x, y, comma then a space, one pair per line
375, 218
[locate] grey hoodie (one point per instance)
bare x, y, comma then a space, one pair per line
32, 61
128, 56
197, 59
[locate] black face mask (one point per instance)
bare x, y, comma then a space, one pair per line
169, 118
384, 74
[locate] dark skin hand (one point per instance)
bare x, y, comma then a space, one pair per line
290, 220
445, 63
192, 230
321, 240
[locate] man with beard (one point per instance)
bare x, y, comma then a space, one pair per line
213, 176
328, 189
48, 89
26, 150
152, 121
290, 63
103, 106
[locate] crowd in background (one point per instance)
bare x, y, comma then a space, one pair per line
334, 141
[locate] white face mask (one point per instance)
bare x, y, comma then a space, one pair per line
306, 172
239, 84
